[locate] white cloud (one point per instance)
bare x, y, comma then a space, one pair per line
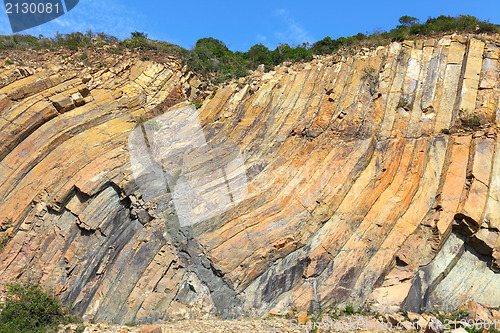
294, 32
108, 16
263, 40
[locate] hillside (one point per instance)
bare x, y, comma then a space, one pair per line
370, 178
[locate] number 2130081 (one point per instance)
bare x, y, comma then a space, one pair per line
32, 8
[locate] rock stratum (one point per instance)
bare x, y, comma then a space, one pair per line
371, 179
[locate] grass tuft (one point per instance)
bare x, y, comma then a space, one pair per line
29, 309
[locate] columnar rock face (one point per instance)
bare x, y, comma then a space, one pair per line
372, 179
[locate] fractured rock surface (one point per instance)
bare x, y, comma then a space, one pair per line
353, 193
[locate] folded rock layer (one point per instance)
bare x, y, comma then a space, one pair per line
373, 178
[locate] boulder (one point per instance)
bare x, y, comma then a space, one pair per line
152, 329
62, 103
484, 241
477, 311
495, 315
395, 318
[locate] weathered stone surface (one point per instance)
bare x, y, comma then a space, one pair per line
395, 318
152, 329
484, 241
472, 208
473, 69
77, 99
456, 264
350, 199
477, 312
495, 314
63, 103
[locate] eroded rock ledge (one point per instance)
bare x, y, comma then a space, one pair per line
355, 194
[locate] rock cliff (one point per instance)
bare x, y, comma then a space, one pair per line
372, 178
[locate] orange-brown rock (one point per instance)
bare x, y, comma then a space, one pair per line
348, 197
152, 329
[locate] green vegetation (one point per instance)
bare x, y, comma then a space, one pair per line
29, 309
455, 319
139, 121
459, 315
131, 324
211, 57
334, 313
479, 329
458, 318
349, 310
153, 124
450, 317
404, 103
197, 104
445, 131
316, 317
4, 239
469, 119
140, 41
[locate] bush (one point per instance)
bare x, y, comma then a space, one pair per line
211, 58
398, 35
213, 94
29, 309
404, 103
370, 76
408, 21
325, 46
285, 52
137, 34
349, 310
104, 37
259, 54
72, 41
469, 119
197, 104
138, 43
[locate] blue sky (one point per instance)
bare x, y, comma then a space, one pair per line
241, 24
